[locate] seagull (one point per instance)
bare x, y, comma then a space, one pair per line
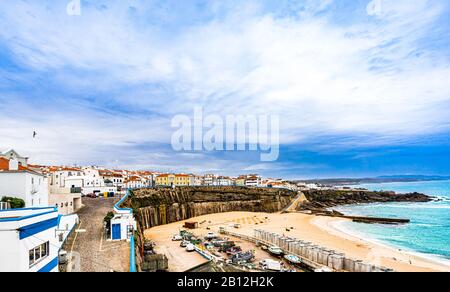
34, 134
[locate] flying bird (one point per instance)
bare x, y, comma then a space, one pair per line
34, 134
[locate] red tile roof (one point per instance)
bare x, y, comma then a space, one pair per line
4, 166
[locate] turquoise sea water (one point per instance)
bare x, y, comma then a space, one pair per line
429, 230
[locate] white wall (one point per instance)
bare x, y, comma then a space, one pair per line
20, 185
13, 185
124, 220
14, 252
73, 202
66, 225
10, 251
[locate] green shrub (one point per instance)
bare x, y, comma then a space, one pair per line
14, 202
108, 218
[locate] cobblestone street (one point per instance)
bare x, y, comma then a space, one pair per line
96, 254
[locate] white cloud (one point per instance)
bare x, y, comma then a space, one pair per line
322, 78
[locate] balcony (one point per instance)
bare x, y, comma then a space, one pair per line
75, 190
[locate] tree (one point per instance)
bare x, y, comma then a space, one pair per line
15, 203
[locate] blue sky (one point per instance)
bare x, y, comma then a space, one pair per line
357, 93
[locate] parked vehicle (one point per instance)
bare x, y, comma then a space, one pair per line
234, 250
190, 247
210, 236
275, 251
184, 243
323, 270
226, 246
218, 242
177, 237
271, 265
92, 196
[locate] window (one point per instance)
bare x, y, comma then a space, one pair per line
39, 253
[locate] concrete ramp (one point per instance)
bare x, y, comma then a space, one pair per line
292, 207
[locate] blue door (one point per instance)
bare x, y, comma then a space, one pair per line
116, 232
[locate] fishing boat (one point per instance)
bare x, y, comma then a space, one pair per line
295, 260
275, 251
243, 257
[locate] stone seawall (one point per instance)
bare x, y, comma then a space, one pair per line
155, 207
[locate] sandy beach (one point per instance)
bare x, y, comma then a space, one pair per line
319, 230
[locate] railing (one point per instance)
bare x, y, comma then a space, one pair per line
75, 190
34, 190
120, 210
132, 256
128, 211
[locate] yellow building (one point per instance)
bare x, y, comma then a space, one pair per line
240, 181
182, 180
169, 180
164, 180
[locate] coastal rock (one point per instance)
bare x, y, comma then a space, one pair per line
320, 200
155, 207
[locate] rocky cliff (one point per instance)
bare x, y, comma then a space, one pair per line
155, 207
321, 200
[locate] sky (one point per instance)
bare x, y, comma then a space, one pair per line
361, 87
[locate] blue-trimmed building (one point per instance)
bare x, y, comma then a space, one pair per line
29, 241
123, 224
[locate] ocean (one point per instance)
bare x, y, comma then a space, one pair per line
428, 234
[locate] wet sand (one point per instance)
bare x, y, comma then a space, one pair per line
316, 229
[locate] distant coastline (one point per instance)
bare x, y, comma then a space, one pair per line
375, 180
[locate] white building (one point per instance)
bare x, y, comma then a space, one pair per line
84, 181
58, 176
116, 178
210, 180
135, 182
90, 185
12, 154
21, 182
65, 201
253, 181
123, 224
224, 181
29, 241
195, 180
